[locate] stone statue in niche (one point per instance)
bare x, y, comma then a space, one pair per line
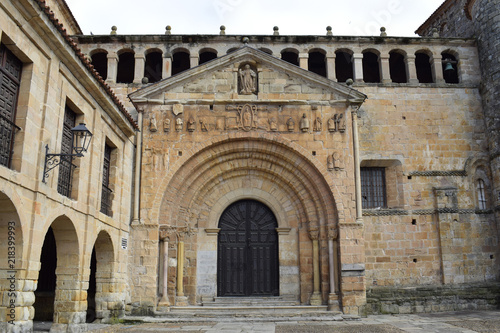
247, 80
178, 124
304, 123
152, 124
273, 124
339, 119
290, 124
204, 126
191, 125
318, 124
332, 125
166, 125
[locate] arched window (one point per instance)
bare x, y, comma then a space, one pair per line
207, 55
231, 50
343, 66
371, 67
397, 67
180, 62
423, 67
481, 194
450, 68
126, 67
316, 63
268, 51
290, 56
153, 67
100, 63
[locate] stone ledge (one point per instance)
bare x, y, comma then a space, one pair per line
428, 298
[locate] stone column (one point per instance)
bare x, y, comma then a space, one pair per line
167, 66
386, 70
164, 303
138, 155
358, 67
303, 58
411, 69
437, 70
180, 299
333, 298
140, 63
316, 296
112, 67
357, 171
194, 60
330, 66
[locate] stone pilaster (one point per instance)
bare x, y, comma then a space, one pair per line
140, 63
112, 68
386, 70
303, 60
358, 67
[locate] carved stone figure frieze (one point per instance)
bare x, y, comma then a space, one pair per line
273, 124
178, 124
166, 125
290, 124
152, 124
304, 123
191, 125
318, 124
247, 84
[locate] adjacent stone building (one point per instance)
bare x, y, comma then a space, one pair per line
353, 174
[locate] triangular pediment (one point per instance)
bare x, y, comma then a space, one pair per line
221, 79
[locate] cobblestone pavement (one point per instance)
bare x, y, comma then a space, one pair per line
445, 322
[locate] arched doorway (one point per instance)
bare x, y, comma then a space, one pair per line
247, 258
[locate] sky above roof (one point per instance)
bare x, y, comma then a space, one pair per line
256, 17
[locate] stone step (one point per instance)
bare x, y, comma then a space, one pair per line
250, 301
247, 313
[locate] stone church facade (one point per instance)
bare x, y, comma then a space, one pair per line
352, 174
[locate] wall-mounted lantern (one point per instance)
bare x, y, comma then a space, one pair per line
81, 143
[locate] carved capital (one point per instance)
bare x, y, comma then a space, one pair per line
314, 233
166, 232
333, 233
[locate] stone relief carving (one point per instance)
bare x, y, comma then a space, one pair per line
247, 84
334, 162
340, 122
166, 125
332, 125
220, 123
304, 123
333, 233
318, 124
314, 233
273, 124
290, 124
191, 124
204, 126
178, 124
247, 117
152, 124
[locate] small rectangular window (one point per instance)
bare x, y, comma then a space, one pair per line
106, 196
481, 195
10, 78
373, 191
64, 184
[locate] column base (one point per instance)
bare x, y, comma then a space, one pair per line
316, 299
136, 222
181, 301
163, 305
333, 302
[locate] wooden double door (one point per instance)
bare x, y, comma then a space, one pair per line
247, 258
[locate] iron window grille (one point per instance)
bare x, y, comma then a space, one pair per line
373, 190
481, 194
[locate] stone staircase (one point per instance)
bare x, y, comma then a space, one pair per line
245, 309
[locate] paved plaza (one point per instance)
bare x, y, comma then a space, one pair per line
444, 322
